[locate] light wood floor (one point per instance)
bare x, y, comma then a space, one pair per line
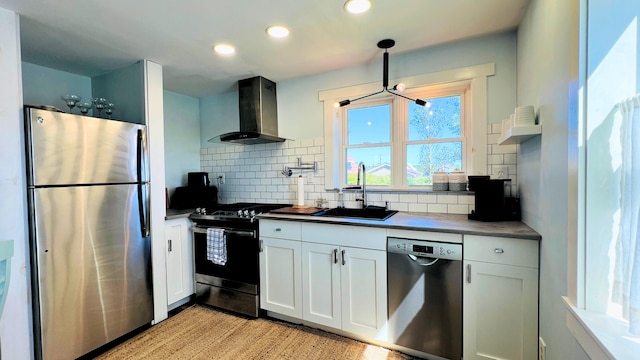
201, 332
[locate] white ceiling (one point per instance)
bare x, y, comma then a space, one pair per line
91, 37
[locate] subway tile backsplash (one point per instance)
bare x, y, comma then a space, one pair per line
253, 173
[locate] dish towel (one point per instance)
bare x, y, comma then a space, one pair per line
216, 246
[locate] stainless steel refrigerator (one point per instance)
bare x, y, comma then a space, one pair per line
88, 194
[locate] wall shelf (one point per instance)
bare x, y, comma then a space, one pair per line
518, 134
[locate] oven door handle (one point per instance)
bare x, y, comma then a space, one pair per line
202, 230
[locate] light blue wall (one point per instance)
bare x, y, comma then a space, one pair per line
123, 87
218, 115
181, 138
300, 114
45, 86
547, 73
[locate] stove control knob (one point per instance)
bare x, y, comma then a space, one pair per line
252, 213
245, 213
239, 213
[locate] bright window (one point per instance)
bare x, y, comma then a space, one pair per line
606, 278
403, 144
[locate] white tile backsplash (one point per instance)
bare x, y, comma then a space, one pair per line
254, 174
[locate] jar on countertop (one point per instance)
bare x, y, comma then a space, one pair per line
457, 181
440, 181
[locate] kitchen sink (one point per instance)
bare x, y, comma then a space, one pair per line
370, 213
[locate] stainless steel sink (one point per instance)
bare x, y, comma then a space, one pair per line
370, 213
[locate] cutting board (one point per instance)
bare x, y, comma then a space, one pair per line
299, 211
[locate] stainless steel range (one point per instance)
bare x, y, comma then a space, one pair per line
233, 286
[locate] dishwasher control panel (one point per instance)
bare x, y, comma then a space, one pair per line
422, 248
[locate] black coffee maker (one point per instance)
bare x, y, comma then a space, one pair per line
196, 194
493, 200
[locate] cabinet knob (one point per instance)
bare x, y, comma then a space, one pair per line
498, 250
278, 229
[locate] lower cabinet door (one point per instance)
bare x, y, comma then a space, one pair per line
364, 292
179, 259
280, 276
321, 284
500, 307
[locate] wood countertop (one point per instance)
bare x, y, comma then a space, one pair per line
449, 223
177, 214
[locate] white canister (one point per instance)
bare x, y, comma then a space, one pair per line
457, 181
440, 181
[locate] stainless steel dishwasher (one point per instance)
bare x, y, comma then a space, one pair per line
425, 296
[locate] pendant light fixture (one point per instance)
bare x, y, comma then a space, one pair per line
385, 44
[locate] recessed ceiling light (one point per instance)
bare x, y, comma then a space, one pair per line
224, 49
357, 6
277, 31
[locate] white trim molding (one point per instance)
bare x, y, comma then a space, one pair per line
599, 335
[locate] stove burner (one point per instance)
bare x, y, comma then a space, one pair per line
237, 211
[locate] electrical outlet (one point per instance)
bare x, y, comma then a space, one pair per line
221, 179
542, 349
501, 171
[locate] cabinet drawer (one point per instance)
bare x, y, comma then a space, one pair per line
500, 250
280, 229
345, 235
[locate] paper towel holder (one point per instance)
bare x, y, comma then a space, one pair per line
288, 170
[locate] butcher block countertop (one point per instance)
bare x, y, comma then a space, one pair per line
177, 214
449, 223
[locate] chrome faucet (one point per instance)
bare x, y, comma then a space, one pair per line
364, 183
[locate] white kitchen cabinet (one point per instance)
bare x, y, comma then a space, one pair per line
280, 267
500, 298
179, 259
344, 287
321, 284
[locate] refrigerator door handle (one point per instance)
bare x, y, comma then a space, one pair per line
141, 157
143, 208
143, 189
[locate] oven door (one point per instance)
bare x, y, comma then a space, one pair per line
241, 269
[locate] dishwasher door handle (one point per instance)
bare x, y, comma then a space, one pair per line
421, 260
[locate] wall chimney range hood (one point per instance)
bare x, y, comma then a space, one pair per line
258, 113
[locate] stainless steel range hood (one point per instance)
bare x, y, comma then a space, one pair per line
258, 113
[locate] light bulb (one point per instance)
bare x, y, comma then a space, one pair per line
400, 87
224, 49
277, 31
357, 6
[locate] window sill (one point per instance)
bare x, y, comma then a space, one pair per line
601, 336
404, 191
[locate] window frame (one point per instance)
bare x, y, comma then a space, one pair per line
475, 103
399, 131
386, 100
